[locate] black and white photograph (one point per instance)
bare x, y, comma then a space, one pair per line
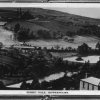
50, 48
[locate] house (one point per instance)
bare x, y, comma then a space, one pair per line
90, 83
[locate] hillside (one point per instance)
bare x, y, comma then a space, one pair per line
26, 25
55, 22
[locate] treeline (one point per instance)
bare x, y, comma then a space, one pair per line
89, 30
83, 49
58, 49
86, 30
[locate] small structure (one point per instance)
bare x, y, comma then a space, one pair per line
90, 83
24, 47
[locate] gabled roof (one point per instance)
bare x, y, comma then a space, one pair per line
92, 80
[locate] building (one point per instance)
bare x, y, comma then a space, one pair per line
90, 83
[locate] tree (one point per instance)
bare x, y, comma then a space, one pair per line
44, 34
69, 33
98, 46
23, 85
1, 45
2, 86
59, 64
57, 47
96, 69
27, 15
84, 49
17, 27
22, 35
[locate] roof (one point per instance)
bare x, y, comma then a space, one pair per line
92, 80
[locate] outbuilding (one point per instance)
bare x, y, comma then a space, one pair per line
90, 83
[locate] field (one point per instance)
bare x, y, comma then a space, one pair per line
78, 40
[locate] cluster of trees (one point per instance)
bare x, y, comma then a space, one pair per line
41, 68
89, 30
44, 34
59, 49
20, 33
58, 65
84, 49
27, 15
98, 46
86, 30
2, 86
23, 34
34, 85
43, 64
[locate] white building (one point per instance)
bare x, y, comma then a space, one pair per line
90, 83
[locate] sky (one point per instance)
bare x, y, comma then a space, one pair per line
88, 12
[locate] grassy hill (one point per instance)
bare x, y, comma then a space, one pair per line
54, 21
25, 24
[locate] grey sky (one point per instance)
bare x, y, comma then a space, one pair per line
88, 12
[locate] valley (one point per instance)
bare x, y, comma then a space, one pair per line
47, 49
